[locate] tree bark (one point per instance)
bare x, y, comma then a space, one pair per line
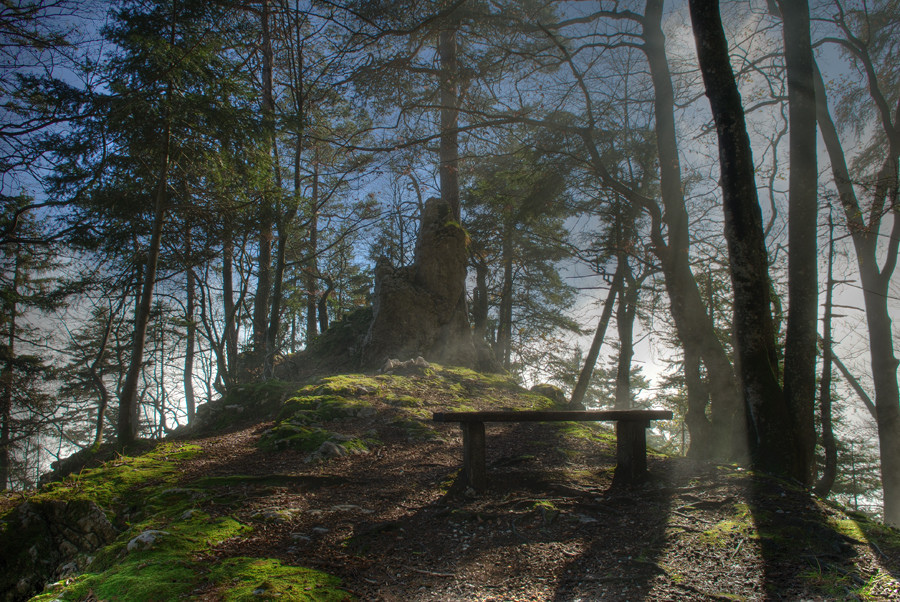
449, 144
584, 379
875, 282
800, 342
322, 305
724, 436
128, 424
773, 438
228, 306
504, 318
829, 443
625, 316
480, 301
265, 234
312, 266
698, 424
7, 377
190, 340
97, 378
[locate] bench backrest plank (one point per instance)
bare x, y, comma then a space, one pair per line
552, 415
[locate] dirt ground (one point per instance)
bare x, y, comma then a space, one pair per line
551, 526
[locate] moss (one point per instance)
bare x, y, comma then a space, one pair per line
166, 571
348, 385
324, 408
725, 530
580, 430
459, 374
118, 478
259, 398
264, 579
416, 430
403, 401
290, 436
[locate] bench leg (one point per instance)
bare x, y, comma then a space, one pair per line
631, 450
474, 473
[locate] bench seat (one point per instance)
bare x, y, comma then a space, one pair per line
631, 438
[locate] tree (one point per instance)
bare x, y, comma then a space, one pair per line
774, 440
167, 108
875, 175
800, 342
26, 407
515, 209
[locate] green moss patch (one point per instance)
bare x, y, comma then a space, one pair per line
164, 570
289, 436
347, 385
309, 439
324, 408
267, 579
403, 401
416, 430
580, 430
117, 478
740, 524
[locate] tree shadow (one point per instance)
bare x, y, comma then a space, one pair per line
624, 533
810, 550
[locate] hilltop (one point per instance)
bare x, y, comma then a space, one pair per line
342, 488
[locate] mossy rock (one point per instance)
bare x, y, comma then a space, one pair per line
348, 385
324, 408
291, 436
416, 430
310, 439
551, 392
403, 401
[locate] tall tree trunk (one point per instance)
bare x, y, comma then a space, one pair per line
322, 305
504, 320
724, 436
312, 266
229, 330
284, 223
8, 375
774, 441
128, 424
161, 396
480, 301
190, 342
875, 282
829, 443
285, 218
800, 342
699, 426
97, 378
584, 378
265, 233
449, 145
625, 316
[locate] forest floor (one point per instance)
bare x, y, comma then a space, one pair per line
550, 527
391, 525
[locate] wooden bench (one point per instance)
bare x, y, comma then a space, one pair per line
631, 438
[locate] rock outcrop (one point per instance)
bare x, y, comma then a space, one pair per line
420, 309
63, 536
